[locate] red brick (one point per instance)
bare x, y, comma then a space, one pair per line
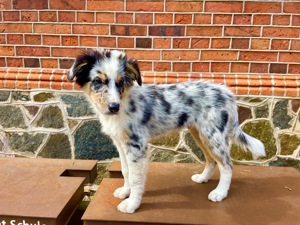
220, 43
128, 30
64, 16
143, 54
223, 6
258, 56
105, 5
69, 41
204, 31
48, 16
51, 40
258, 68
200, 66
295, 45
30, 16
109, 42
2, 39
258, 43
240, 43
259, 19
222, 19
85, 17
2, 62
32, 62
33, 51
291, 7
219, 55
21, 4
166, 31
281, 19
95, 29
11, 16
145, 66
88, 41
240, 31
15, 39
242, 19
66, 52
239, 67
289, 57
181, 42
202, 18
124, 18
180, 55
281, 32
219, 67
163, 18
143, 43
16, 27
162, 66
294, 69
263, 7
200, 43
65, 63
184, 6
280, 44
125, 42
181, 66
68, 4
33, 39
278, 68
153, 6
163, 43
6, 5
52, 28
49, 63
296, 20
143, 18
183, 18
105, 17
15, 62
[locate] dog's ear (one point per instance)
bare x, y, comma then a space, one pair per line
132, 70
82, 66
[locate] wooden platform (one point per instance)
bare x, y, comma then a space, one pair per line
42, 191
258, 195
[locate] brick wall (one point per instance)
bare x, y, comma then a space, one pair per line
170, 38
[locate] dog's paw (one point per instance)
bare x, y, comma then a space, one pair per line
122, 192
217, 195
199, 178
128, 206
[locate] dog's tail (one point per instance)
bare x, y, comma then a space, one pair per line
245, 141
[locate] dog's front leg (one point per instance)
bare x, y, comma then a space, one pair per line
122, 192
137, 167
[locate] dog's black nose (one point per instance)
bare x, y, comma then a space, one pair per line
114, 107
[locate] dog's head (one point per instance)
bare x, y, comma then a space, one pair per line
106, 76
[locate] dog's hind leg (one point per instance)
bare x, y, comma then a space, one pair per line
122, 192
210, 162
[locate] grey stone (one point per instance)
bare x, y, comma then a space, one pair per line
281, 118
11, 117
25, 142
163, 156
4, 96
51, 117
244, 113
286, 163
194, 147
169, 140
289, 143
90, 143
57, 146
77, 105
43, 97
32, 110
262, 112
21, 96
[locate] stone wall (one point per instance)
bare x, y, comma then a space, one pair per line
61, 124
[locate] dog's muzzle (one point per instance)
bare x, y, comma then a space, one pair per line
114, 107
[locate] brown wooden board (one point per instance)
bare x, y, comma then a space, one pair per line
258, 195
42, 191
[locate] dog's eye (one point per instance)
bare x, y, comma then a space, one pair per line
120, 86
97, 82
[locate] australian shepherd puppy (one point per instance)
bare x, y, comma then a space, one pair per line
132, 113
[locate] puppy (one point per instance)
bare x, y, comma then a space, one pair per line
131, 114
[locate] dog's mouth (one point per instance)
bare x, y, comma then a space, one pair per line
108, 113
